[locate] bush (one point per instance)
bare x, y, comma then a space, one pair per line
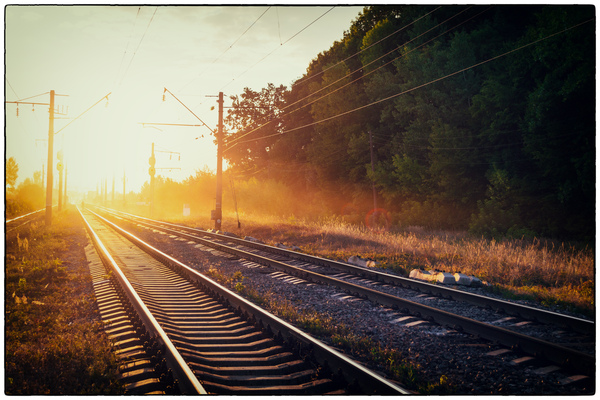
432, 215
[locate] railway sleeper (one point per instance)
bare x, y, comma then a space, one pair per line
207, 325
254, 345
182, 303
213, 331
259, 379
321, 386
137, 374
223, 338
282, 368
235, 359
187, 315
196, 317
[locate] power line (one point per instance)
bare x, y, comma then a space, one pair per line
424, 84
302, 81
186, 107
228, 48
128, 40
276, 48
138, 45
7, 81
379, 58
370, 72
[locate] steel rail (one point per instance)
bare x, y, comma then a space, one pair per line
23, 216
552, 352
188, 383
353, 372
518, 310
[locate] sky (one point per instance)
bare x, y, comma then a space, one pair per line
85, 52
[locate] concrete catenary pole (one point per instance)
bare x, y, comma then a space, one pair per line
50, 161
218, 205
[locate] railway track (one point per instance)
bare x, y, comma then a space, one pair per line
180, 332
17, 222
577, 356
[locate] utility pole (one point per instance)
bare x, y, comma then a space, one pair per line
218, 205
51, 133
105, 191
113, 192
152, 171
65, 196
124, 180
50, 162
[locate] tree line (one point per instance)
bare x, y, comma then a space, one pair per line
26, 197
462, 117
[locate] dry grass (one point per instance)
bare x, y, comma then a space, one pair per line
548, 272
54, 343
324, 327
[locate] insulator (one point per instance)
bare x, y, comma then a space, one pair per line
17, 111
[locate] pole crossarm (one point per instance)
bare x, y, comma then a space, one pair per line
26, 102
187, 108
77, 117
164, 123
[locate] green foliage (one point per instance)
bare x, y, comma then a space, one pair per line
431, 214
454, 94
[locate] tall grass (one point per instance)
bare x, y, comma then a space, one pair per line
549, 272
54, 343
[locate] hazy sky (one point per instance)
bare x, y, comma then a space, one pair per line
133, 53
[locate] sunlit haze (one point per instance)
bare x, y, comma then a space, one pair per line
132, 52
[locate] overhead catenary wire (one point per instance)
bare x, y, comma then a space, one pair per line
419, 86
228, 48
379, 58
308, 78
128, 40
276, 48
187, 108
362, 76
138, 45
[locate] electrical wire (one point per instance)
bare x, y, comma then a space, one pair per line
186, 107
27, 98
138, 45
128, 40
427, 83
370, 72
227, 49
7, 81
308, 78
277, 48
379, 41
278, 27
379, 58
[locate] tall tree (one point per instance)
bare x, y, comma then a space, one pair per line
254, 122
12, 172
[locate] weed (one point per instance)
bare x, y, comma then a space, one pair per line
53, 344
555, 273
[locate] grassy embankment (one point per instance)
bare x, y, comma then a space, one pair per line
553, 274
535, 270
54, 342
